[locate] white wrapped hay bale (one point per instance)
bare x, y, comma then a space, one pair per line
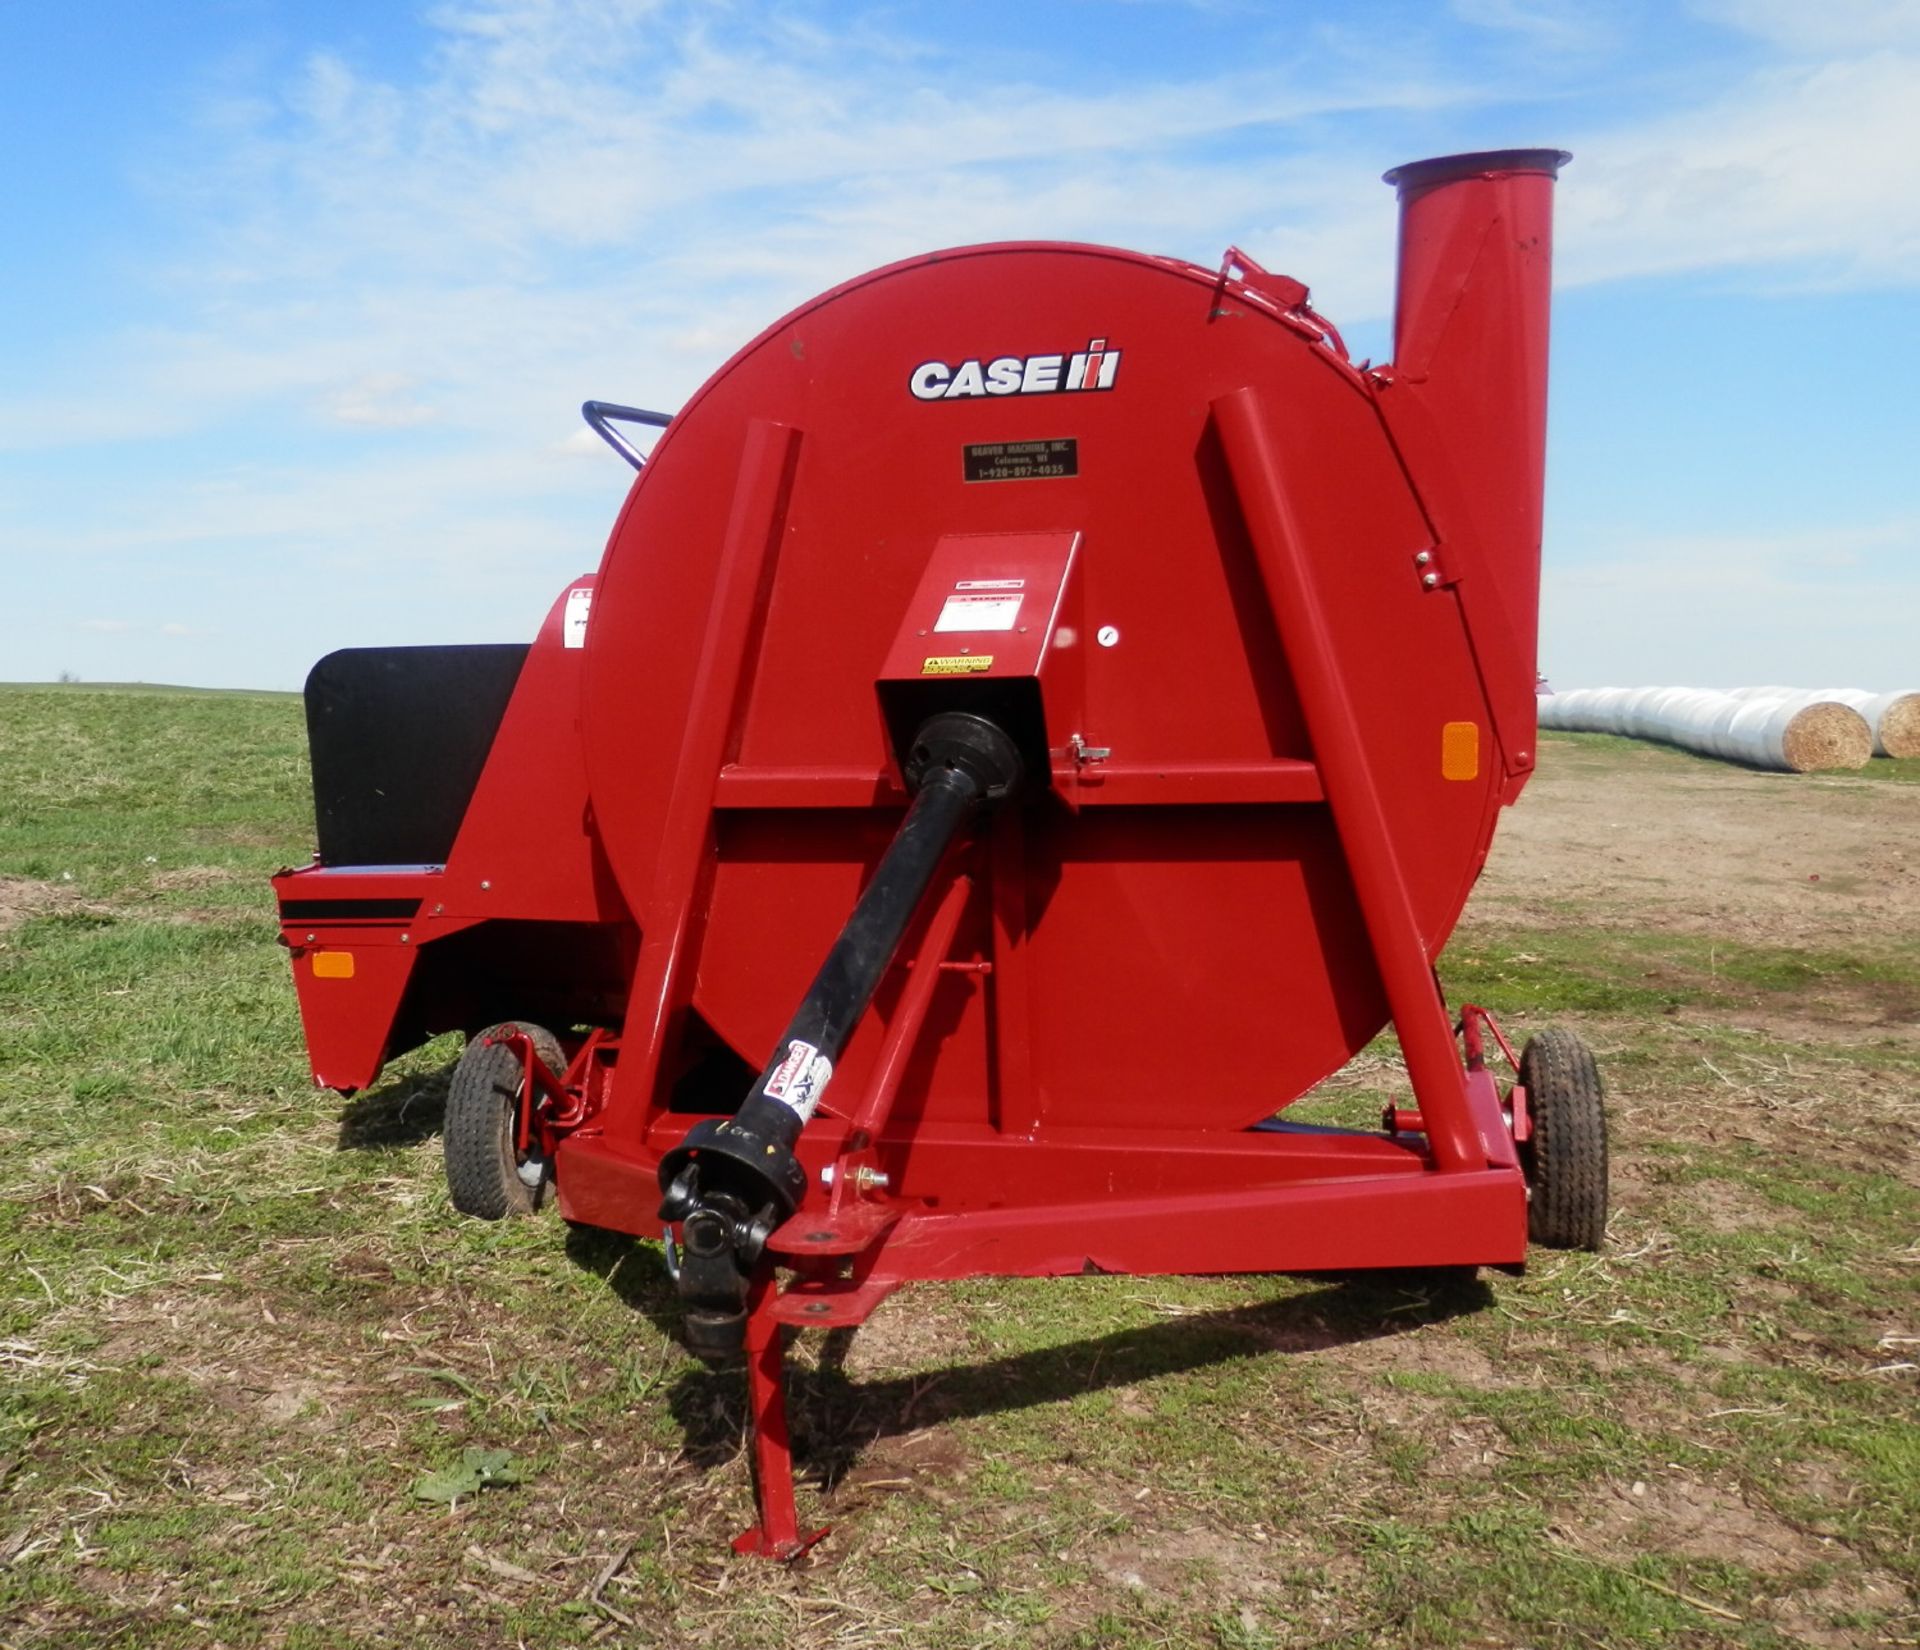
1894, 717
1784, 729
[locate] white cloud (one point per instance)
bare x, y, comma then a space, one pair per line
596, 198
382, 399
1804, 172
1834, 25
590, 198
1549, 25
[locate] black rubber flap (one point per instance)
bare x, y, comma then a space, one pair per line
398, 736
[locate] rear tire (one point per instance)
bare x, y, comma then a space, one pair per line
487, 1177
1565, 1161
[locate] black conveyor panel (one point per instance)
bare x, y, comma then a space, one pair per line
398, 736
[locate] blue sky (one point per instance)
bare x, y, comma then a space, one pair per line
300, 302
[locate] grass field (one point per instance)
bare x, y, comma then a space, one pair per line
238, 1323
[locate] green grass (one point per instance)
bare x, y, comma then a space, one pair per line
1593, 970
1610, 750
173, 795
238, 1321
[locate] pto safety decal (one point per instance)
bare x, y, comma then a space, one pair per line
979, 610
573, 622
1093, 368
800, 1079
957, 664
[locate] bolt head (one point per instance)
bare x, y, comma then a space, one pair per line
1423, 558
1430, 581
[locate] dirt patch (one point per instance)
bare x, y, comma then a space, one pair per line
927, 1462
245, 1359
1721, 1206
22, 898
1696, 1519
1429, 1350
1675, 1513
1457, 1445
907, 1334
1165, 1563
1807, 1616
1768, 858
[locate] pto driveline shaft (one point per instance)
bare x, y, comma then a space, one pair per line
788, 1090
957, 763
732, 1180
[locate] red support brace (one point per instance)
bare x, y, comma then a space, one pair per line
1258, 466
672, 914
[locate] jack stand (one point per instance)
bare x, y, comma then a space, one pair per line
778, 1533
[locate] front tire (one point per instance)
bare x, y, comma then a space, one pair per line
487, 1177
1565, 1161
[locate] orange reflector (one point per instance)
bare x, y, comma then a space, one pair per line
333, 965
1460, 750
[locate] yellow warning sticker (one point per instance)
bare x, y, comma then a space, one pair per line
1460, 750
333, 965
957, 664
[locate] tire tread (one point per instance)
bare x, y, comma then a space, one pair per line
477, 1142
1566, 1160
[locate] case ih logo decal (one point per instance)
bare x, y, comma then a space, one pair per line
1093, 368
